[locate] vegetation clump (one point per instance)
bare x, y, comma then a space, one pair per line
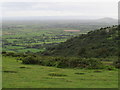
101, 43
64, 62
84, 51
80, 73
117, 64
6, 71
56, 74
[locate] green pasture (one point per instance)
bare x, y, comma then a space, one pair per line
32, 36
17, 75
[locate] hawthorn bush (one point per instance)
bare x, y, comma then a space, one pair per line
64, 62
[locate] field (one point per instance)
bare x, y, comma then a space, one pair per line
33, 40
36, 36
30, 41
17, 75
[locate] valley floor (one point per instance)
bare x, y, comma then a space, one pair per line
17, 75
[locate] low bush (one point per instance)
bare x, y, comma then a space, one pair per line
30, 60
64, 62
92, 63
56, 74
117, 64
109, 67
13, 54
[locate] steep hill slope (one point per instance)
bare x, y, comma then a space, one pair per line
98, 43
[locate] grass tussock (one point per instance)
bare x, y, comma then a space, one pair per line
57, 74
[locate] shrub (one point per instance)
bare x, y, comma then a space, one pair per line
56, 74
117, 64
109, 67
90, 63
13, 54
9, 54
30, 60
64, 62
4, 52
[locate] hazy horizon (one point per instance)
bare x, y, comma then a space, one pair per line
56, 18
62, 10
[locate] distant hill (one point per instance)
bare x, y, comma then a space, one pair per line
107, 20
58, 18
98, 43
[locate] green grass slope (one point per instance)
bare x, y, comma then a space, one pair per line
17, 75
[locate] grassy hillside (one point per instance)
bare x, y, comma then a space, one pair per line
46, 58
17, 75
99, 43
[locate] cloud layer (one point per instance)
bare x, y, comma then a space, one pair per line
88, 9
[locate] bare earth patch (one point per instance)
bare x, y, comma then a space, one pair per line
72, 30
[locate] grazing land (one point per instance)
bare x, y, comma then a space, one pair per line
60, 54
17, 75
36, 36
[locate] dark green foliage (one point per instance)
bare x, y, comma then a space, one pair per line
56, 74
64, 62
84, 51
100, 43
109, 67
117, 64
98, 71
13, 54
9, 54
80, 73
4, 52
10, 71
31, 60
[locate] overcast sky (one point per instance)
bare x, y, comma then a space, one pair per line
83, 8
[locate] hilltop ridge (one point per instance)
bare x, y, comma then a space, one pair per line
98, 43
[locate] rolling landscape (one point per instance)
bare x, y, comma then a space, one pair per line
29, 35
59, 44
60, 53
